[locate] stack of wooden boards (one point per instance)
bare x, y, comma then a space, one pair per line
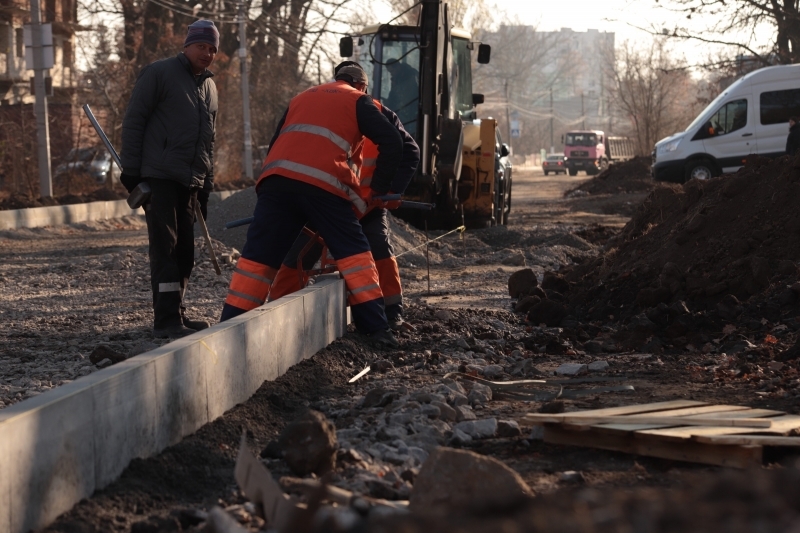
684, 430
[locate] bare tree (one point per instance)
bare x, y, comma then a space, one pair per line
740, 23
652, 90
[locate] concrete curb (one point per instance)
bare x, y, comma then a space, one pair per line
39, 217
59, 447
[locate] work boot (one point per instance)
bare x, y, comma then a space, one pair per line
172, 332
383, 338
397, 324
196, 325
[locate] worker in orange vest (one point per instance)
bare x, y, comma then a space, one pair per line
310, 177
375, 225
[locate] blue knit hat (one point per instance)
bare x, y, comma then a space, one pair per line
202, 31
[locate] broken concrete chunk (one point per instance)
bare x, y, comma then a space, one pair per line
309, 444
464, 412
483, 484
522, 282
446, 413
492, 371
508, 429
572, 369
479, 429
597, 366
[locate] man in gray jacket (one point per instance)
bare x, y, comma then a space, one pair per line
168, 141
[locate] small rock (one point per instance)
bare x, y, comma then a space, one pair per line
459, 438
104, 363
776, 366
464, 412
593, 346
571, 476
462, 343
382, 365
556, 282
514, 259
522, 282
525, 304
479, 429
508, 429
444, 315
572, 369
598, 366
309, 444
446, 413
373, 397
273, 450
431, 411
104, 352
547, 312
554, 407
480, 395
492, 371
483, 484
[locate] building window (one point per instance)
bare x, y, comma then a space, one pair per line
66, 10
49, 11
7, 38
19, 39
66, 53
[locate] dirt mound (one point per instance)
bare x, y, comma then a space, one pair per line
628, 176
722, 246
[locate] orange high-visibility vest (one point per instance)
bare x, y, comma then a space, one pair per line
319, 140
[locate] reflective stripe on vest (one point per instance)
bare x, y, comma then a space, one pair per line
389, 278
323, 132
320, 175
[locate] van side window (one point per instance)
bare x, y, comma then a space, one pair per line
778, 106
730, 117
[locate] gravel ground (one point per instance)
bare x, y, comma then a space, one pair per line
65, 291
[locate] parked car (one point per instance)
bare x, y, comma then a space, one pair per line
554, 163
749, 117
95, 161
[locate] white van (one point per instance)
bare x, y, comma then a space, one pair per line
750, 117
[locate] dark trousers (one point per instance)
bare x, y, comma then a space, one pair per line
278, 219
170, 228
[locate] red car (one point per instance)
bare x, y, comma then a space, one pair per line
554, 163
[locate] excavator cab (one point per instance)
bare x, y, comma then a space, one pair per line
424, 74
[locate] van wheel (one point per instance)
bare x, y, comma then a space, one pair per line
573, 172
702, 169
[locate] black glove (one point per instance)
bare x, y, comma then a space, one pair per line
202, 199
130, 182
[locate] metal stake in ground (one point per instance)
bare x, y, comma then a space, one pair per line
463, 229
427, 255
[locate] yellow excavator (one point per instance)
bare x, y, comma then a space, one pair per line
424, 74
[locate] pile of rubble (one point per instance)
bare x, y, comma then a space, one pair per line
626, 177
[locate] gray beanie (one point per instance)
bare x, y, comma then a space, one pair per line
202, 31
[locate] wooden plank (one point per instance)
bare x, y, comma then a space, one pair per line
761, 423
780, 425
702, 410
745, 413
690, 451
641, 408
751, 440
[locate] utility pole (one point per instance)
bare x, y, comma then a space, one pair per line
508, 118
552, 144
248, 141
40, 107
583, 113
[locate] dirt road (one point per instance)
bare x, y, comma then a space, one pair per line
464, 324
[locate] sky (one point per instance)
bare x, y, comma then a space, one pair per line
620, 17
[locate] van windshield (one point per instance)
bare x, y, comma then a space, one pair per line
712, 106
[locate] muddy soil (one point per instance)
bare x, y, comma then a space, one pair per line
463, 324
625, 177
